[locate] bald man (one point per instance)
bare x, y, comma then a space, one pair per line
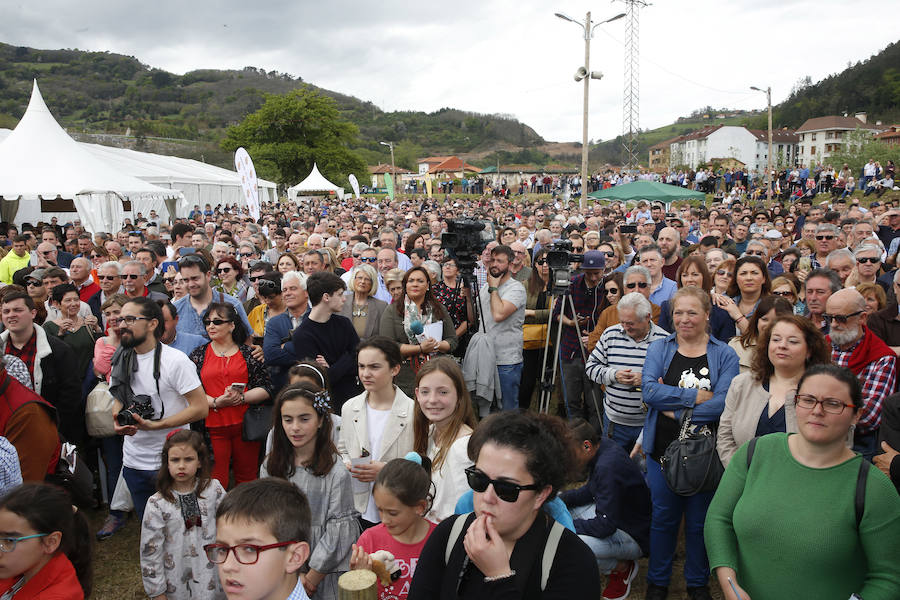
853, 345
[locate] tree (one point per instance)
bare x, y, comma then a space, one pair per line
292, 131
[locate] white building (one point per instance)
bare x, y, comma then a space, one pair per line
785, 147
751, 147
823, 136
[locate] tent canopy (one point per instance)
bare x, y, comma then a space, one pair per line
40, 160
314, 184
647, 190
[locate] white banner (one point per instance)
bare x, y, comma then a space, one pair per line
249, 185
354, 184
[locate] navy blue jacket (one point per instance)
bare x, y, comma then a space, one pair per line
619, 493
721, 325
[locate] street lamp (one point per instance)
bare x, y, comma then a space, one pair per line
586, 74
768, 93
393, 170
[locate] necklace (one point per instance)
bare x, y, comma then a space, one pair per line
360, 310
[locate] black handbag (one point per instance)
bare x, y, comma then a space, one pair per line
257, 422
691, 462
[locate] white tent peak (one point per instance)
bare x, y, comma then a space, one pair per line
315, 183
36, 104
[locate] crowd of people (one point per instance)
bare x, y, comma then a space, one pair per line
335, 386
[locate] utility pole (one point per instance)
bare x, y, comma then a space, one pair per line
393, 168
768, 93
584, 73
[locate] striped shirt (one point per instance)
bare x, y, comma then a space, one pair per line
616, 350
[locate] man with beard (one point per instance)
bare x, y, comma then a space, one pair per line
142, 366
503, 317
854, 346
669, 242
197, 278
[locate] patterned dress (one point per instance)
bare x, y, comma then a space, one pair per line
172, 558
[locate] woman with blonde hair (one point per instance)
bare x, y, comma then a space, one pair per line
361, 306
393, 281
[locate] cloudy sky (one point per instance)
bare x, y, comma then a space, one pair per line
490, 56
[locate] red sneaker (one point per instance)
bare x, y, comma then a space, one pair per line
618, 585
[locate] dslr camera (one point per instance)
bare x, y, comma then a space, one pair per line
140, 406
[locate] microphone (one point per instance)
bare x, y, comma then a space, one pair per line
418, 330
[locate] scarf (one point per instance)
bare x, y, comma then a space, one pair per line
412, 313
869, 349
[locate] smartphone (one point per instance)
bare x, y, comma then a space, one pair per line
239, 387
628, 229
804, 264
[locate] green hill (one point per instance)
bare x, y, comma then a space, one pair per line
101, 92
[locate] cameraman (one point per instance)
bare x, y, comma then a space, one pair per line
581, 393
169, 380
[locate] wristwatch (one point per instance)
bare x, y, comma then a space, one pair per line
491, 289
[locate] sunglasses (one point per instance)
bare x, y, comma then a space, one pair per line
542, 261
245, 254
842, 319
267, 285
783, 294
824, 237
224, 270
368, 259
130, 276
108, 277
168, 279
34, 283
216, 322
868, 259
505, 490
639, 284
612, 291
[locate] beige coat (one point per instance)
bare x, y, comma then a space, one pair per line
744, 403
396, 440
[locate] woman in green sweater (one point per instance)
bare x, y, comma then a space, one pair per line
784, 524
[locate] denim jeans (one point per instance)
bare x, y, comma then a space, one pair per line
609, 550
623, 435
141, 485
510, 376
668, 509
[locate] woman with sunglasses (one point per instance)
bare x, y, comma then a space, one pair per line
723, 277
230, 279
786, 286
613, 289
232, 379
801, 493
537, 312
522, 460
613, 256
692, 272
689, 369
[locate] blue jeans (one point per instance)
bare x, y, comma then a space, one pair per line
668, 508
623, 435
141, 485
609, 550
510, 376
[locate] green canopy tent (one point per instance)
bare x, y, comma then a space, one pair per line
646, 190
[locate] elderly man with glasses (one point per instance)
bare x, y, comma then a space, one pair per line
636, 279
855, 346
827, 241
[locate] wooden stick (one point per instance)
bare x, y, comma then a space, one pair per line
360, 584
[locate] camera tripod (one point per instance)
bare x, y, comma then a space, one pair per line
563, 300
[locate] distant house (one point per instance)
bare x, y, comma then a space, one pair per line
890, 136
377, 172
821, 137
719, 143
452, 166
785, 146
658, 159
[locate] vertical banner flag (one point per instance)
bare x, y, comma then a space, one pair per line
354, 183
428, 185
249, 185
389, 183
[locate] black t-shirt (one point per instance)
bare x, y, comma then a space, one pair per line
683, 372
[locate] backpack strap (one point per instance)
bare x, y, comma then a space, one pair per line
550, 548
455, 531
860, 500
751, 448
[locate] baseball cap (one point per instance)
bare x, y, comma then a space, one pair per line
773, 234
593, 259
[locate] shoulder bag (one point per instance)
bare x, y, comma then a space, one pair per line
691, 463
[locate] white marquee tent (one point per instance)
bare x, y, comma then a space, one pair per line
45, 173
315, 184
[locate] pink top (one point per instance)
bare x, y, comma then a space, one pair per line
406, 555
102, 357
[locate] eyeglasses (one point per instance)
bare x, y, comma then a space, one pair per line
216, 322
783, 294
130, 276
842, 319
224, 270
634, 284
131, 319
612, 290
108, 277
829, 405
246, 554
8, 545
874, 260
505, 490
368, 259
824, 237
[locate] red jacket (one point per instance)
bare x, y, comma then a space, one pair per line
87, 291
30, 424
56, 581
